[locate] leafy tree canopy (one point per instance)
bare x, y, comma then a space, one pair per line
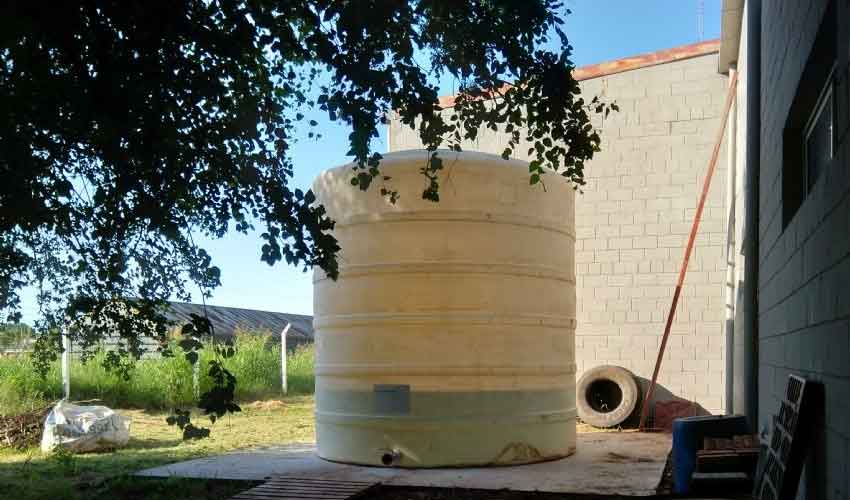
128, 127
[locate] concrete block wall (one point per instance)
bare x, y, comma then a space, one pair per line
804, 267
632, 224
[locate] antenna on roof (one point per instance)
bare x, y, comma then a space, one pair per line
700, 20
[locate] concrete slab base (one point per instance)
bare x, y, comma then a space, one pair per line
612, 463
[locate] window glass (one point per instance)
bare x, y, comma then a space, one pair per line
819, 140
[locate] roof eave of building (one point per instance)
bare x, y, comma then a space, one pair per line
631, 63
731, 15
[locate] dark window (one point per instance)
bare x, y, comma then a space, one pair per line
818, 149
808, 137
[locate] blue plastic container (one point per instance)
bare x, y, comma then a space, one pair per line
688, 434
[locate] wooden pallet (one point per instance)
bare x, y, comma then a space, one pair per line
305, 488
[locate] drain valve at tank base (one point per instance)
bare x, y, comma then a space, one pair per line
390, 458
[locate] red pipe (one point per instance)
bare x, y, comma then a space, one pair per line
712, 166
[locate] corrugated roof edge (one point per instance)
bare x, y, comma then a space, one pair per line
223, 317
211, 306
631, 63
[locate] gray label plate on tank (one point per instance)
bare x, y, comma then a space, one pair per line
392, 399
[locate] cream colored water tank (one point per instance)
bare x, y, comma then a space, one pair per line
448, 339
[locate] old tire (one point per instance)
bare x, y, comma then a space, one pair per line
606, 396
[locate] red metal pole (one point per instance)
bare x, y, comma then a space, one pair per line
712, 166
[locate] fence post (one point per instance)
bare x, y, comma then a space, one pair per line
196, 377
66, 364
283, 358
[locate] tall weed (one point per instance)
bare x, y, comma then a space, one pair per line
159, 383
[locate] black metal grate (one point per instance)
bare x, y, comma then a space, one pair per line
783, 461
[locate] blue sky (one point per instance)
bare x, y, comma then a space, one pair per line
599, 30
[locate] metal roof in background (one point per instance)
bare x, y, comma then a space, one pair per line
226, 320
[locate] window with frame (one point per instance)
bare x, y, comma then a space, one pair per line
819, 137
809, 134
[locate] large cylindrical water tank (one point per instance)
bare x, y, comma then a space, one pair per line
448, 339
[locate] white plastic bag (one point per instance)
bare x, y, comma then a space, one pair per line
84, 428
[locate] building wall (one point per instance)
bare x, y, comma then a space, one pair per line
804, 268
632, 224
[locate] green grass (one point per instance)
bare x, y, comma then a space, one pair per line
32, 474
155, 386
157, 383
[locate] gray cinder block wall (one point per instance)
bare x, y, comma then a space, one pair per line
633, 220
804, 266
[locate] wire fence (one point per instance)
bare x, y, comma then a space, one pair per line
15, 339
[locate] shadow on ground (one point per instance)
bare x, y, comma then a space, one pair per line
34, 475
422, 493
